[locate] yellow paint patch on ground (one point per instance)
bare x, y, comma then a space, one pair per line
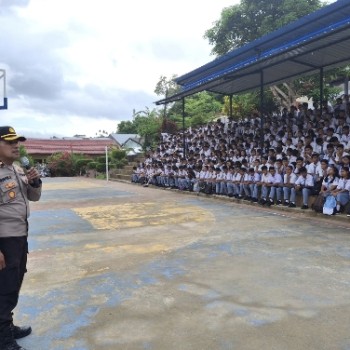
92, 246
137, 249
130, 215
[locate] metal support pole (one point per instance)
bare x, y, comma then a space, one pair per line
321, 88
262, 119
183, 128
107, 170
346, 85
231, 110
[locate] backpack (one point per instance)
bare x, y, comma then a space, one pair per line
329, 205
317, 205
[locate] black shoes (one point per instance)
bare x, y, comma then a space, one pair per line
20, 332
305, 206
292, 205
7, 340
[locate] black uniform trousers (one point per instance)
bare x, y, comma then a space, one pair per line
15, 250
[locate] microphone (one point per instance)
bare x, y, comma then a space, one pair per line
26, 164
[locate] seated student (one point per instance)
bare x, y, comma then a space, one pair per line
183, 178
237, 182
218, 180
175, 176
243, 173
160, 177
134, 175
288, 187
275, 182
304, 183
202, 176
223, 184
192, 178
229, 184
330, 181
342, 191
345, 163
251, 181
262, 184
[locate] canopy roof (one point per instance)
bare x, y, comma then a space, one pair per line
318, 40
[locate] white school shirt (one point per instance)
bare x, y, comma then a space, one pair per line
338, 159
312, 168
201, 175
275, 179
342, 184
326, 182
229, 176
265, 178
292, 178
237, 177
305, 181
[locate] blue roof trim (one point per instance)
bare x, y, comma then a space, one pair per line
306, 20
268, 53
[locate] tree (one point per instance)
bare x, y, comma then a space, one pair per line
127, 127
251, 19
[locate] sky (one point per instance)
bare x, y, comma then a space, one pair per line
80, 66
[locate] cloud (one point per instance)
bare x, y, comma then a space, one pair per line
73, 65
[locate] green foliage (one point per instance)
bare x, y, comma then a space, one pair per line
251, 19
118, 164
166, 86
118, 154
127, 127
92, 165
82, 162
200, 108
101, 167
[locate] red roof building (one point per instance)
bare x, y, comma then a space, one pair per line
40, 149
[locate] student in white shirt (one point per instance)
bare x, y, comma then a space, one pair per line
342, 191
288, 187
229, 184
275, 183
304, 183
330, 181
263, 184
250, 185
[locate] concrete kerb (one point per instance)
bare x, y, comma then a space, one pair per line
299, 211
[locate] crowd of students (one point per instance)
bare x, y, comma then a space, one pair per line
300, 150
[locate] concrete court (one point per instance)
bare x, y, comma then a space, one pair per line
118, 266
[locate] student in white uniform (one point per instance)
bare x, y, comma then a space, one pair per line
288, 187
275, 182
342, 191
304, 184
251, 181
263, 184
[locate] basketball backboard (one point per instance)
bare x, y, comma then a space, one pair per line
3, 97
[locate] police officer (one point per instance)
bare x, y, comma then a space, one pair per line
17, 188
